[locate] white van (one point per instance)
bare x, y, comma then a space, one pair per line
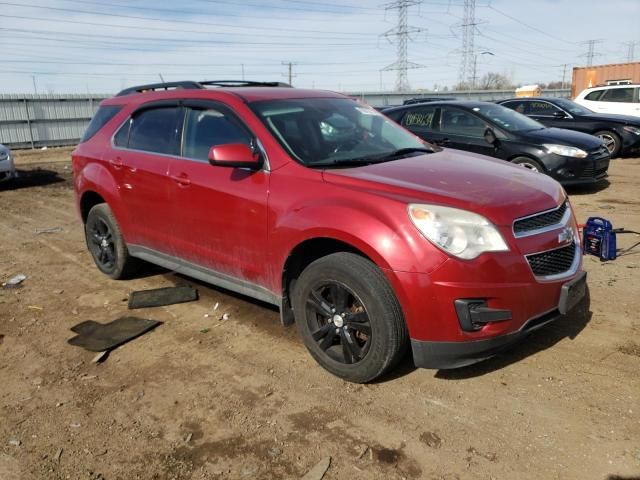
620, 99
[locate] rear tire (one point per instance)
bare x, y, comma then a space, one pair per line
349, 317
529, 164
106, 244
611, 140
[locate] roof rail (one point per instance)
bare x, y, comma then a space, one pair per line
188, 85
192, 85
243, 83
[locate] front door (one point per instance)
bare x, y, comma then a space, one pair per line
463, 130
219, 214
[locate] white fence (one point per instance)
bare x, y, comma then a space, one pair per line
30, 121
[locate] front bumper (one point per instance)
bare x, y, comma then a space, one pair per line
579, 171
7, 169
446, 355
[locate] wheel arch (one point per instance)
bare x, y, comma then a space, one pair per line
306, 252
527, 156
88, 200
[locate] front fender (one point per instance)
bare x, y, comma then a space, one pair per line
384, 234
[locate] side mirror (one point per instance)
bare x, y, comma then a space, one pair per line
236, 155
559, 114
490, 136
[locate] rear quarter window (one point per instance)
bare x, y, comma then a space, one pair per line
99, 120
594, 96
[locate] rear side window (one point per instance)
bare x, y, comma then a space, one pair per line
542, 108
518, 106
99, 120
594, 96
204, 129
624, 95
420, 119
155, 131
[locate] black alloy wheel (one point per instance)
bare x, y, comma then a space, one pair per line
349, 317
106, 244
338, 322
101, 244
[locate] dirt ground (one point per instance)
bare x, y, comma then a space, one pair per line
204, 398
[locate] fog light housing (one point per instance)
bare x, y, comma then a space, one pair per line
565, 172
474, 313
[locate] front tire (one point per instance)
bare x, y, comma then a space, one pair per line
611, 140
529, 164
349, 317
106, 244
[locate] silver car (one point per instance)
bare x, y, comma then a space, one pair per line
7, 167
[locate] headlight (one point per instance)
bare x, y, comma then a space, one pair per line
4, 156
630, 129
458, 232
565, 150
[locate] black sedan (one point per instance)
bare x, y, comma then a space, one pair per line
496, 131
620, 133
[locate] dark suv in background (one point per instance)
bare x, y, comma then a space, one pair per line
572, 158
619, 133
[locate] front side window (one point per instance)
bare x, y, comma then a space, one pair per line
545, 109
204, 129
420, 120
154, 130
624, 95
326, 131
459, 122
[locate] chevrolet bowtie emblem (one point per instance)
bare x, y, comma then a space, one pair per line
565, 235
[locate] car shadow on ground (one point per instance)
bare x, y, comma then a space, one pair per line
33, 178
587, 189
538, 341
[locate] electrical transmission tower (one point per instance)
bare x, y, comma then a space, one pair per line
402, 33
631, 50
467, 66
591, 51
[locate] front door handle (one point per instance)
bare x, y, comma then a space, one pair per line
181, 179
443, 141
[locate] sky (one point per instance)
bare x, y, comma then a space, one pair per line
87, 46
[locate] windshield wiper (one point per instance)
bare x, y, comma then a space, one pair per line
343, 162
405, 151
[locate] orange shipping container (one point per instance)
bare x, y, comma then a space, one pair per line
585, 77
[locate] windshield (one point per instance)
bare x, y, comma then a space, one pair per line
324, 131
572, 107
506, 118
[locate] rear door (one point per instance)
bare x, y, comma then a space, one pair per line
143, 147
423, 122
619, 100
219, 214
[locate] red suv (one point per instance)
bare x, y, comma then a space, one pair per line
366, 237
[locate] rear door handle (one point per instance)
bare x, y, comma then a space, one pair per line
181, 179
117, 163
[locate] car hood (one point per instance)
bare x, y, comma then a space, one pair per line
611, 117
496, 189
563, 137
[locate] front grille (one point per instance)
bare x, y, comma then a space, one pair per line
542, 220
552, 262
597, 168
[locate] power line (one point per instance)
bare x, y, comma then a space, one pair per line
402, 34
166, 20
517, 20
